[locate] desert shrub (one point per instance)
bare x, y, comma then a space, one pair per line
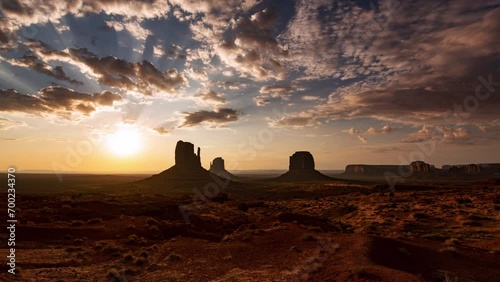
435, 236
174, 258
243, 207
131, 227
67, 207
140, 261
477, 217
452, 242
128, 257
114, 274
99, 245
77, 223
94, 220
132, 239
154, 229
47, 210
472, 223
346, 209
144, 253
449, 250
151, 221
111, 248
78, 241
464, 201
314, 228
308, 237
68, 237
419, 215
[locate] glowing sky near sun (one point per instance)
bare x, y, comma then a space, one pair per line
250, 81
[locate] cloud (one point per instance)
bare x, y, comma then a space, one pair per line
30, 60
247, 42
56, 100
362, 139
217, 116
26, 12
442, 134
423, 134
310, 98
211, 96
266, 93
433, 68
142, 77
299, 120
6, 124
161, 130
371, 130
133, 27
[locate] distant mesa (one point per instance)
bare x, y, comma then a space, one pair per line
218, 168
421, 170
374, 170
463, 169
301, 168
421, 167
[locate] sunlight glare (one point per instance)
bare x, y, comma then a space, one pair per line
126, 141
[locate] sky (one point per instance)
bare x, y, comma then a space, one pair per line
111, 86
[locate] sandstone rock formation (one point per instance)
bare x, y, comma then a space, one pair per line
217, 165
463, 169
374, 170
301, 168
419, 167
185, 159
301, 160
218, 168
187, 167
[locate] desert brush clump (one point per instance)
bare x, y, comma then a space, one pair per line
77, 223
174, 258
449, 250
308, 237
151, 221
94, 220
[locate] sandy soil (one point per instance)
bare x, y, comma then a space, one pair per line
280, 232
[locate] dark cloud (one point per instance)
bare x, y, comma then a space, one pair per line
211, 97
58, 100
30, 60
119, 73
218, 116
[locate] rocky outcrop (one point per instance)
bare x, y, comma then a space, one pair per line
217, 165
301, 168
420, 167
185, 158
218, 168
374, 170
187, 167
301, 160
463, 169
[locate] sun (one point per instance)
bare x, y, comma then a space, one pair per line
126, 141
